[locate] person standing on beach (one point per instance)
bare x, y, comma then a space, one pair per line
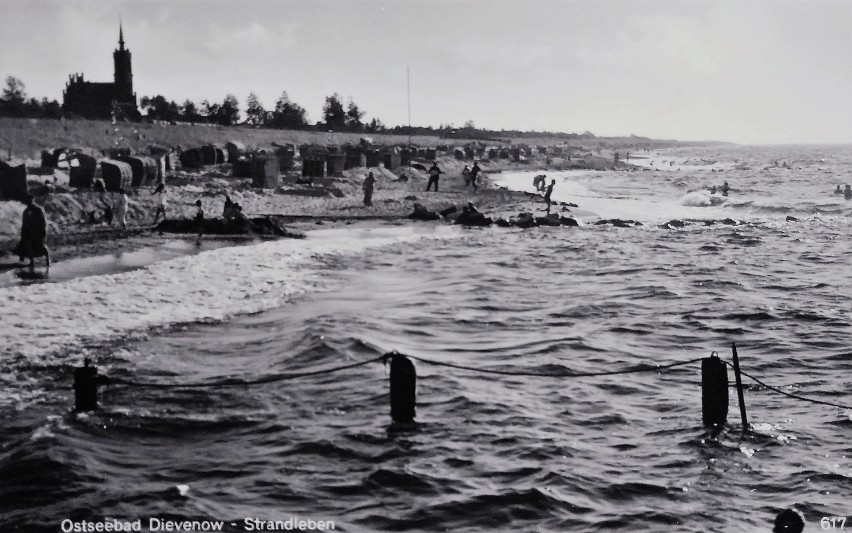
33, 234
199, 221
367, 187
160, 193
474, 173
434, 174
466, 176
547, 193
121, 208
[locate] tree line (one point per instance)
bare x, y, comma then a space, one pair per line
15, 103
286, 114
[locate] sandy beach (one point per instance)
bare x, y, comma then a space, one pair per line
338, 201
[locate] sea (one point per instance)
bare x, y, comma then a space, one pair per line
766, 267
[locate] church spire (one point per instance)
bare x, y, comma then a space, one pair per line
120, 35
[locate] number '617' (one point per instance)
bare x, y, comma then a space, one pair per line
833, 522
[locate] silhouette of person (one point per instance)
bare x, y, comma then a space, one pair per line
434, 174
33, 234
547, 193
367, 187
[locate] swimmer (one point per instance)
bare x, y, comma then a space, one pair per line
725, 189
838, 190
847, 193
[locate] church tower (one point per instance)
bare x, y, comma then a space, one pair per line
123, 72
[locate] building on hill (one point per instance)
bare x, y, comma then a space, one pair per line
104, 100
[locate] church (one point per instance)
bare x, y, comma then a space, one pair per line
88, 99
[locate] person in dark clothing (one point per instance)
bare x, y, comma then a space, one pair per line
367, 187
474, 174
725, 189
434, 174
199, 221
547, 193
33, 234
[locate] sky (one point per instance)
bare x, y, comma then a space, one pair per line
743, 71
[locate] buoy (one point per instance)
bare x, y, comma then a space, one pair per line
789, 521
714, 391
86, 387
403, 389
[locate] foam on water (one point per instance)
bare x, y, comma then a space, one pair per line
209, 286
614, 195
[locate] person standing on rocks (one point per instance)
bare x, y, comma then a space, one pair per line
33, 234
547, 194
434, 174
367, 187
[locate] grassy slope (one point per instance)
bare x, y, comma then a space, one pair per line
27, 137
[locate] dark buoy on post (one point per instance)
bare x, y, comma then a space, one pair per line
403, 389
714, 391
739, 382
789, 521
86, 387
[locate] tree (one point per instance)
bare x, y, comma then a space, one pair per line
333, 113
158, 108
228, 113
188, 111
255, 113
13, 102
287, 114
14, 92
375, 126
353, 117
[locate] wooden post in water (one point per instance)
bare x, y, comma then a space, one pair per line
714, 391
739, 382
86, 387
403, 389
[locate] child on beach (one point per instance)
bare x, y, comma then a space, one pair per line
160, 193
199, 221
466, 176
434, 174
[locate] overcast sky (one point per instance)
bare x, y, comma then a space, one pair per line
739, 70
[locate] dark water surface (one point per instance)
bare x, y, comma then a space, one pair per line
494, 453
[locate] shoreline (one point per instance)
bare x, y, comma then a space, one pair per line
299, 208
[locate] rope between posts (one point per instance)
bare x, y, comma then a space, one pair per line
240, 383
789, 394
284, 377
634, 370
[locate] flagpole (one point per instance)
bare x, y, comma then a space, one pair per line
408, 87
